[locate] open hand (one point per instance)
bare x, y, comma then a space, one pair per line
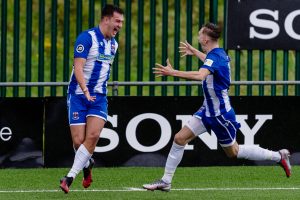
161, 70
186, 49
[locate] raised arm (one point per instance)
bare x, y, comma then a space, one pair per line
186, 49
168, 70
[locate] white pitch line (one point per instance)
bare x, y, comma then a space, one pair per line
132, 189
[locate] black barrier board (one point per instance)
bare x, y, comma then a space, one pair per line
58, 143
257, 24
21, 132
140, 131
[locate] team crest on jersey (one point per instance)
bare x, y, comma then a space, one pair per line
80, 48
208, 62
113, 48
75, 116
101, 44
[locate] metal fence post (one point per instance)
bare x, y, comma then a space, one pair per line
164, 53
201, 22
140, 45
128, 45
285, 71
78, 17
213, 13
41, 46
66, 62
53, 45
116, 59
91, 13
273, 71
28, 45
261, 70
176, 42
3, 44
152, 44
16, 48
249, 71
189, 32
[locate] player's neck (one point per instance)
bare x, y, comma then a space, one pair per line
212, 46
104, 31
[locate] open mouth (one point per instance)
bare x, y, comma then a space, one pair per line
115, 31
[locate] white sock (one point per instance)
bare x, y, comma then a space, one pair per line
87, 163
81, 158
174, 158
253, 152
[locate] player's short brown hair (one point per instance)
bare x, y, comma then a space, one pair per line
212, 30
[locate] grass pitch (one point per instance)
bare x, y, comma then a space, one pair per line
267, 182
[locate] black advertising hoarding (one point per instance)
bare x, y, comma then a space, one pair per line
263, 24
140, 131
21, 132
58, 143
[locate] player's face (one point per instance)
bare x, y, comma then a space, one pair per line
115, 24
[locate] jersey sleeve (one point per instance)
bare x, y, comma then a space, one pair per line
210, 63
82, 45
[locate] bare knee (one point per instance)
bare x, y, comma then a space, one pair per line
184, 136
93, 136
232, 151
91, 140
232, 154
77, 141
179, 139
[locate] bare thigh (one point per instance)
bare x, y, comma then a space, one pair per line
77, 134
94, 127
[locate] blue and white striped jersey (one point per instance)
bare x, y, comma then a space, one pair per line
216, 85
99, 54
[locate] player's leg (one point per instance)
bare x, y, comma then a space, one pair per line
93, 129
97, 116
251, 152
78, 111
184, 136
193, 128
82, 156
254, 152
77, 120
78, 135
173, 160
225, 128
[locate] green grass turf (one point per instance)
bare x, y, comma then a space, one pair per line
225, 183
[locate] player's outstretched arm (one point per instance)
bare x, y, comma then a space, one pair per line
186, 49
168, 70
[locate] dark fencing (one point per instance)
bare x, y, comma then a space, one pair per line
37, 46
